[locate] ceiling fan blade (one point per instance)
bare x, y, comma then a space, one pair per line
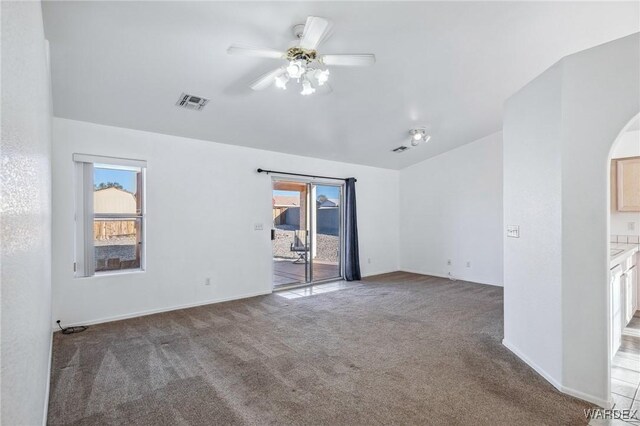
315, 31
255, 52
355, 60
266, 80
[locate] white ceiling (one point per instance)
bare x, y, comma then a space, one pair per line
448, 66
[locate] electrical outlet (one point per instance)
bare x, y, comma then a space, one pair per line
468, 264
207, 281
257, 227
449, 262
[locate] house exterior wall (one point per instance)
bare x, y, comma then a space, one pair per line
113, 200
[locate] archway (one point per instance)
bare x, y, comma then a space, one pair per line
623, 230
558, 135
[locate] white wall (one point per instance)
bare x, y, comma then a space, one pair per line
558, 134
26, 216
451, 208
532, 198
596, 107
627, 146
203, 200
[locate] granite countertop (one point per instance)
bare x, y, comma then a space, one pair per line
620, 252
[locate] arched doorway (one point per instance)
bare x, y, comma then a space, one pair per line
624, 261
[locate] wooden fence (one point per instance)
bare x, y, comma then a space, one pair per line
105, 229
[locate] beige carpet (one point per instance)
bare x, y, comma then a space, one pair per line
394, 349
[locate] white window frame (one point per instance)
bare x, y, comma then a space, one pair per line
84, 263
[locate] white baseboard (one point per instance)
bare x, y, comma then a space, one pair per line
585, 397
174, 308
48, 387
532, 364
160, 310
373, 274
572, 392
412, 271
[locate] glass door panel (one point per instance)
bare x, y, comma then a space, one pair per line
290, 233
307, 232
326, 232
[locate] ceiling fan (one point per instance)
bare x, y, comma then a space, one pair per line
304, 63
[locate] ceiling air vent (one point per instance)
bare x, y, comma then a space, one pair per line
192, 102
400, 149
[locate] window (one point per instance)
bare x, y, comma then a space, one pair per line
110, 215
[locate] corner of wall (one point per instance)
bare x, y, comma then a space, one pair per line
47, 390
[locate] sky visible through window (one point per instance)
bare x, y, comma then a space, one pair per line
327, 191
126, 178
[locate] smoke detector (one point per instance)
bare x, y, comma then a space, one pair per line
192, 102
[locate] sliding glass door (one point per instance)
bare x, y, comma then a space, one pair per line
326, 232
307, 232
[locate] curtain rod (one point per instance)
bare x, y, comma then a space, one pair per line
300, 174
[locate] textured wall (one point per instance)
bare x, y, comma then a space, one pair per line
532, 201
600, 95
558, 135
26, 216
451, 208
212, 191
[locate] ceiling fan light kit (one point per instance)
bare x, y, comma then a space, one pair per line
281, 81
296, 69
321, 76
307, 88
305, 65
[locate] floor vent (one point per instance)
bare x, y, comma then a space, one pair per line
400, 149
192, 102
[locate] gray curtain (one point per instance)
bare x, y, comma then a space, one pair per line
352, 256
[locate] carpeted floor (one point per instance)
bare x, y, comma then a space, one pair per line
394, 349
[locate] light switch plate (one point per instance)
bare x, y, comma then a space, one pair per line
513, 231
